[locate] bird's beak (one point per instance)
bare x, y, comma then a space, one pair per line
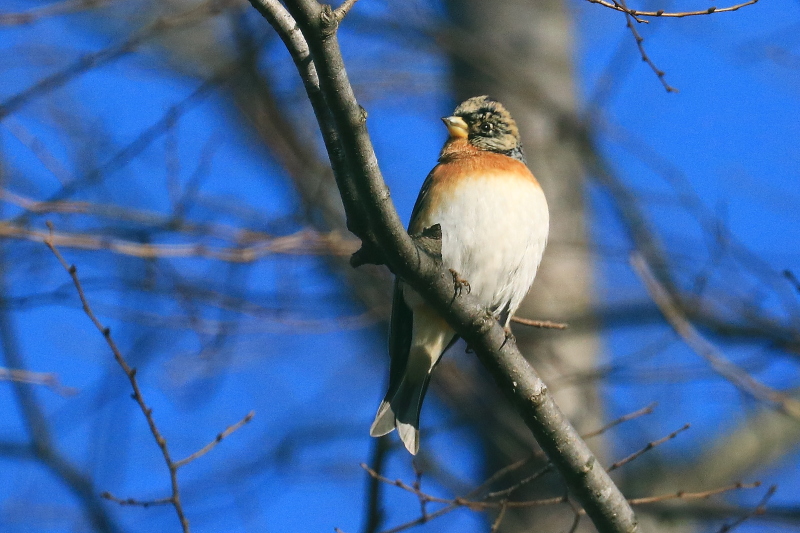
456, 127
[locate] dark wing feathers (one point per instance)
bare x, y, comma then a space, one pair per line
399, 338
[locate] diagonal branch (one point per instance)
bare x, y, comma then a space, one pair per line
219, 438
343, 124
705, 349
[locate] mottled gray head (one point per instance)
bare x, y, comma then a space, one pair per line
486, 124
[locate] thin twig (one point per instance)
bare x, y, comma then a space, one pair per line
759, 510
629, 18
549, 467
175, 498
536, 475
578, 513
702, 495
504, 504
475, 505
373, 510
211, 445
661, 13
491, 480
702, 347
649, 446
134, 502
46, 379
500, 515
38, 148
151, 219
630, 416
299, 243
621, 4
421, 496
49, 10
545, 324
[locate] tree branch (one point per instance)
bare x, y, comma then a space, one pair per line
705, 349
376, 222
619, 6
130, 372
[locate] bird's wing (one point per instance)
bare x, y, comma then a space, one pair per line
400, 326
400, 330
422, 199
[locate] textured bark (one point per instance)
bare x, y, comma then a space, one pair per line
520, 52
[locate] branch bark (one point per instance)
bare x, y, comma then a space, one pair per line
372, 217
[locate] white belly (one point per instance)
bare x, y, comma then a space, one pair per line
493, 234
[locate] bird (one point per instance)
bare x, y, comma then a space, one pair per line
494, 224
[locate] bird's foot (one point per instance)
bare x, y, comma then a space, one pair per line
459, 284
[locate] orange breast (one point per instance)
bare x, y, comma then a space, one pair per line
459, 166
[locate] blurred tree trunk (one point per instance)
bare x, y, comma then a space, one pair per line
521, 52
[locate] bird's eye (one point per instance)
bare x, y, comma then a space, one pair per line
486, 127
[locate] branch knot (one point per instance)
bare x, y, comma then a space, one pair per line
328, 21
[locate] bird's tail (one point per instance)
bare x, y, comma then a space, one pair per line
401, 411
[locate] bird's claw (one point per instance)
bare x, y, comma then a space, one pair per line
459, 283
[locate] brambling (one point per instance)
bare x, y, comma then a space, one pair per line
494, 221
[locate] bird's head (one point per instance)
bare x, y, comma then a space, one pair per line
485, 124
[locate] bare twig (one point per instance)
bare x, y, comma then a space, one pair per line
629, 18
649, 446
46, 379
703, 495
134, 502
175, 498
544, 324
500, 515
475, 505
513, 488
678, 14
301, 242
373, 509
728, 370
759, 509
630, 416
549, 467
38, 149
49, 10
147, 218
417, 486
503, 472
481, 505
211, 445
578, 513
